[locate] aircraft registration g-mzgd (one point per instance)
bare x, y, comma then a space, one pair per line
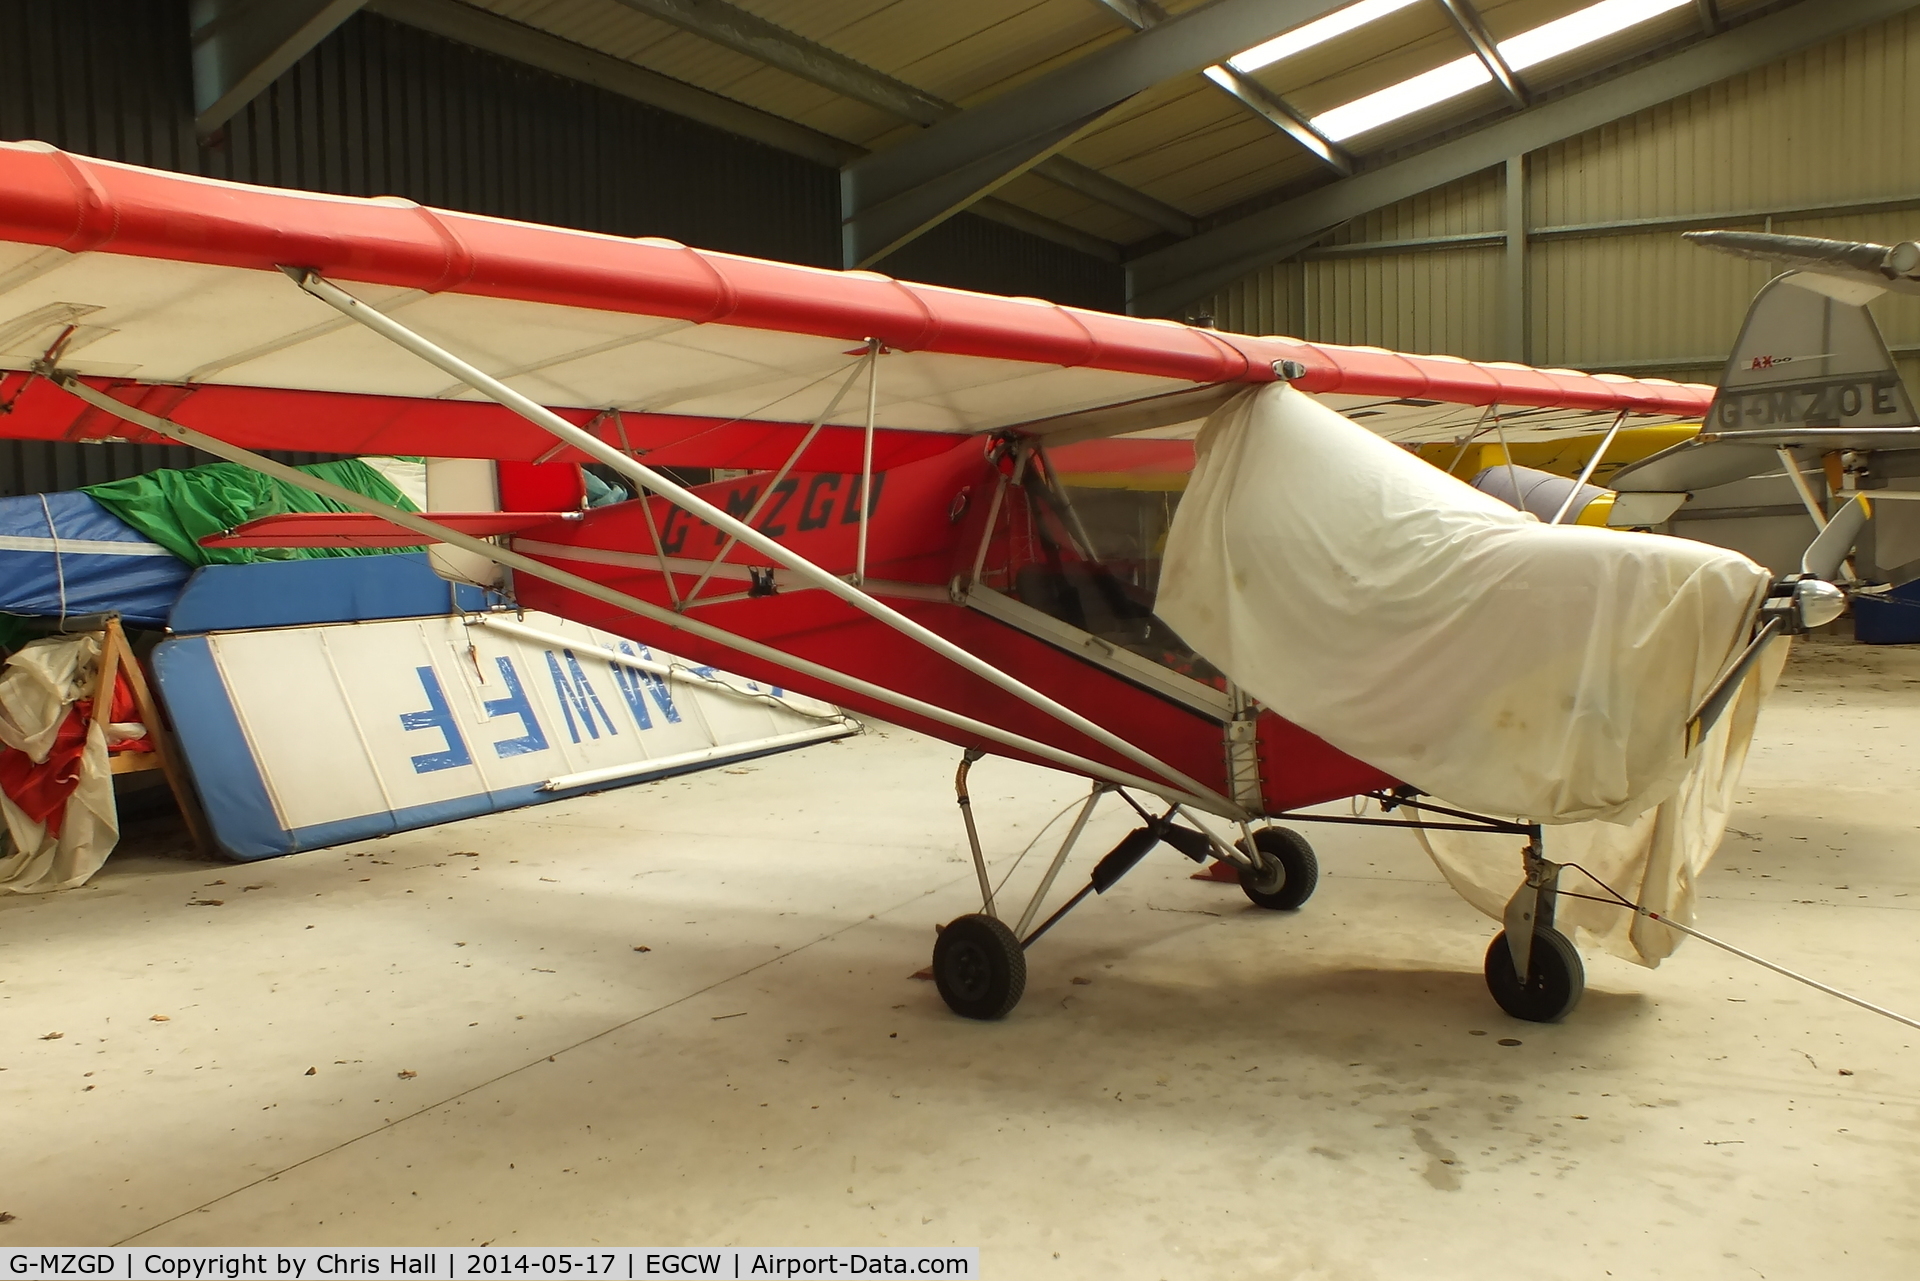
957, 516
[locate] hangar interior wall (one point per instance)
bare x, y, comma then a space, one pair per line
379, 108
1825, 127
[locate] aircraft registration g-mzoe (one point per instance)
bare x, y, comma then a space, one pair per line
955, 518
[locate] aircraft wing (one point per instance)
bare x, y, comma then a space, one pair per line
171, 292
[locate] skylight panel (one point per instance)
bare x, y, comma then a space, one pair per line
1582, 27
1430, 88
1415, 94
1319, 31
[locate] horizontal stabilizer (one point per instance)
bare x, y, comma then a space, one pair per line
1895, 267
362, 529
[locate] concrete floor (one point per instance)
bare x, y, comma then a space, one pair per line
450, 1037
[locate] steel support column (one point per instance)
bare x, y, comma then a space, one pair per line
1516, 331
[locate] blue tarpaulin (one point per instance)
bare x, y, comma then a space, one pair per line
64, 554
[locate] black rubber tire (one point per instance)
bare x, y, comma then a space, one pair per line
1554, 985
979, 967
1292, 871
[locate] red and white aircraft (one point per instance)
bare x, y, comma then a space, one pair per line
902, 545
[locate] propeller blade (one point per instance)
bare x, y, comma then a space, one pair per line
1835, 543
1728, 685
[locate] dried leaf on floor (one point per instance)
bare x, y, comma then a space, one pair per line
407, 1074
159, 1018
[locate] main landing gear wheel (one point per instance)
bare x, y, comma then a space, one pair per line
1288, 872
1553, 986
979, 967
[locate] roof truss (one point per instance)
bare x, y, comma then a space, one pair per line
1466, 19
532, 47
746, 33
1244, 89
1164, 280
892, 196
241, 46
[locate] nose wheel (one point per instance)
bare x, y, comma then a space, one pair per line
1553, 984
1532, 969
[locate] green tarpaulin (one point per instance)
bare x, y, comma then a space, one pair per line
178, 508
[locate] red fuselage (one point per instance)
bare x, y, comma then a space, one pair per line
926, 521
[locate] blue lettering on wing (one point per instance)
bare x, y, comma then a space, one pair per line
516, 703
577, 696
635, 685
437, 716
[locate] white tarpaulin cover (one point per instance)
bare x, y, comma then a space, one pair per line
38, 686
1496, 663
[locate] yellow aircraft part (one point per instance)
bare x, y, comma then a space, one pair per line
1562, 456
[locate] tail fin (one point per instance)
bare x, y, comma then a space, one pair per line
1810, 368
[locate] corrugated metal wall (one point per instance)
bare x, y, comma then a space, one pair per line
1825, 127
384, 109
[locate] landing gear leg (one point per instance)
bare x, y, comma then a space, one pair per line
967, 759
1532, 969
980, 966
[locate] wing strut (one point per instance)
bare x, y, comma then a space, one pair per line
753, 513
1199, 796
544, 418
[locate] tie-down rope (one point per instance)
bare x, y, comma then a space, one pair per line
1622, 900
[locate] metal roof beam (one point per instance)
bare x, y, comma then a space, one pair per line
452, 20
1279, 113
746, 33
503, 37
1244, 89
1467, 20
242, 46
1090, 182
1709, 16
892, 196
1138, 14
1162, 281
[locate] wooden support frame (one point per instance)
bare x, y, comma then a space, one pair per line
116, 656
